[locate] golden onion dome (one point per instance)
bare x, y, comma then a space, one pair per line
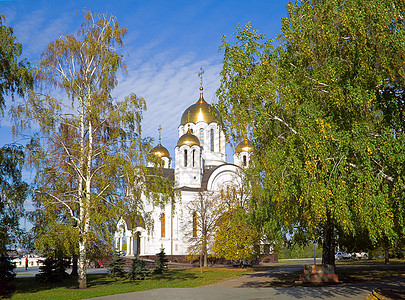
201, 111
160, 151
244, 146
188, 139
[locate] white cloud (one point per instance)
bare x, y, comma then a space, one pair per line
164, 74
169, 87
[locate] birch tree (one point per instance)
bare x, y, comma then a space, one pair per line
15, 73
89, 145
325, 104
15, 78
236, 237
202, 224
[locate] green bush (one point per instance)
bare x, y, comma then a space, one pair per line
116, 268
161, 262
138, 270
297, 251
53, 270
6, 268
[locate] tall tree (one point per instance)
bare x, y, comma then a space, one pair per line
15, 74
15, 77
236, 237
326, 107
200, 228
13, 194
87, 142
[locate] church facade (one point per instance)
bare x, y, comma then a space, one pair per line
200, 165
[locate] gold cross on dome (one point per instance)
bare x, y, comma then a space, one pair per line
201, 75
160, 132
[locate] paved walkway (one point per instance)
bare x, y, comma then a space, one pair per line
253, 287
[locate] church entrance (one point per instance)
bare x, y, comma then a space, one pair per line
138, 243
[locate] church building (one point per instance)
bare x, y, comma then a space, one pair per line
200, 165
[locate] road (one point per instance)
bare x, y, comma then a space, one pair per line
32, 271
253, 286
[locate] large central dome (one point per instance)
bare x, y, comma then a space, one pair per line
201, 111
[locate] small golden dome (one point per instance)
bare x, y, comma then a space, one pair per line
244, 146
188, 139
160, 151
201, 111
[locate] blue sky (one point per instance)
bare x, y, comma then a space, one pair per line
166, 44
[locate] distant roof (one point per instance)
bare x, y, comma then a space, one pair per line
167, 173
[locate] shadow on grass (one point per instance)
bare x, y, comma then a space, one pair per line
387, 294
32, 285
6, 288
347, 275
358, 273
175, 275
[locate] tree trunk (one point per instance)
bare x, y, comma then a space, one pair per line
74, 266
82, 264
82, 238
84, 214
328, 248
387, 256
205, 252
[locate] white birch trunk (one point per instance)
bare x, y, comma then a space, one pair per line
82, 207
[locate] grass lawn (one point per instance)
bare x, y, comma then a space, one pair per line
102, 284
349, 271
368, 272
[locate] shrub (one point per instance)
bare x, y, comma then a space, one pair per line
138, 270
6, 268
53, 270
116, 268
161, 262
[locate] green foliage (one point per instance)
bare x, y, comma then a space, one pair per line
53, 270
56, 240
6, 268
236, 238
299, 251
138, 270
204, 212
13, 193
161, 262
103, 285
89, 153
116, 268
15, 74
323, 107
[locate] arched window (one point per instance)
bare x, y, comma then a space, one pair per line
202, 137
212, 139
194, 224
185, 158
162, 225
244, 161
191, 130
193, 158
